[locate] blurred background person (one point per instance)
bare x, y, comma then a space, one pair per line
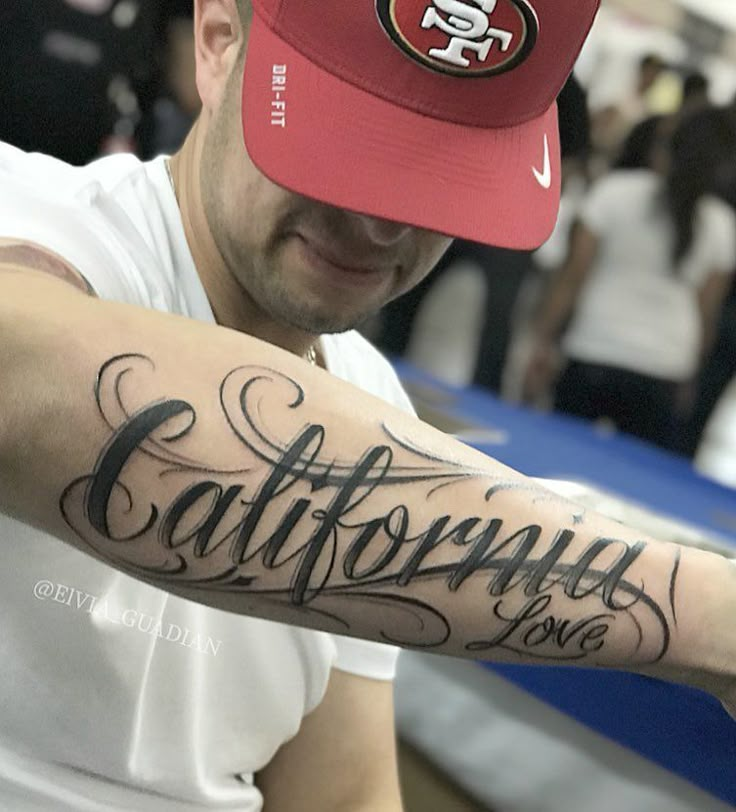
649, 266
635, 101
80, 78
576, 143
531, 364
695, 94
459, 324
719, 368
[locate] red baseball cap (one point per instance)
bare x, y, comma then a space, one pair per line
436, 113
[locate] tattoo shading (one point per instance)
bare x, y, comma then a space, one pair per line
361, 546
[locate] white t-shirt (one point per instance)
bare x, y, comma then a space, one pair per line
116, 695
634, 311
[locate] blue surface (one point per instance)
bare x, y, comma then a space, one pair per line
681, 729
559, 447
685, 731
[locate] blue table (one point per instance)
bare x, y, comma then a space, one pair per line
683, 730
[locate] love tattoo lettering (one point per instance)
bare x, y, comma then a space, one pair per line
247, 503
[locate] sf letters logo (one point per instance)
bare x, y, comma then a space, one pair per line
465, 38
468, 27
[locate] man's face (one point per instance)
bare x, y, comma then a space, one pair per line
303, 263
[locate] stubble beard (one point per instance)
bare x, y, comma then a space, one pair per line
266, 282
261, 274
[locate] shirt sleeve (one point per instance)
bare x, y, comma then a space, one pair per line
598, 206
719, 235
77, 235
365, 658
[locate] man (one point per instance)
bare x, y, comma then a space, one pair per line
147, 458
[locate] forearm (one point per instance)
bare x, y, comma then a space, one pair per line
555, 309
232, 473
711, 297
559, 300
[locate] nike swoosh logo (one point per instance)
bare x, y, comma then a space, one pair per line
544, 178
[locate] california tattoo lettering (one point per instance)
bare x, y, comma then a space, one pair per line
297, 532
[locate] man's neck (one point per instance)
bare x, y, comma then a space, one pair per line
231, 304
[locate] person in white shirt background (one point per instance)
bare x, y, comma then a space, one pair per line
635, 306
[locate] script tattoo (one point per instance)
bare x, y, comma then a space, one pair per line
342, 543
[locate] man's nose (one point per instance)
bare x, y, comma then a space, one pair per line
382, 232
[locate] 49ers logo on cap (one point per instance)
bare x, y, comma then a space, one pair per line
462, 37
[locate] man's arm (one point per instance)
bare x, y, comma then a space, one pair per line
227, 471
559, 301
556, 307
711, 296
344, 756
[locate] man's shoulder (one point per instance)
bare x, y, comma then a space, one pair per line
42, 201
51, 179
102, 218
82, 214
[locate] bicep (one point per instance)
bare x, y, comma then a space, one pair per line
344, 756
23, 256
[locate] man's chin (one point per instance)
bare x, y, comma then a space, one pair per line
319, 310
320, 322
327, 326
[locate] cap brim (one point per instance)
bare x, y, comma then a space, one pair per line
321, 137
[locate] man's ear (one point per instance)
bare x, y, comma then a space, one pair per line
218, 37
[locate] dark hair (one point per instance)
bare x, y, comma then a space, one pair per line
653, 61
636, 152
702, 147
695, 83
574, 120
